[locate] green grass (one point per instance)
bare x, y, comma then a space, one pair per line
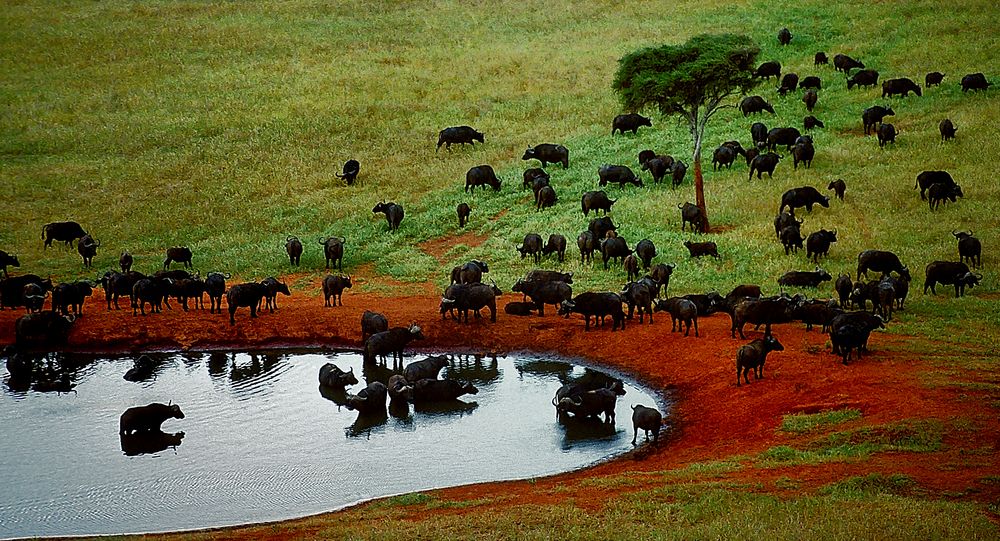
919, 436
802, 423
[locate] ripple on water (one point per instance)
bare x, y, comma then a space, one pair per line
261, 442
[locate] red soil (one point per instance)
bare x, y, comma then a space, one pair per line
711, 418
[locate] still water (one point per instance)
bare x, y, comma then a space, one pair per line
261, 442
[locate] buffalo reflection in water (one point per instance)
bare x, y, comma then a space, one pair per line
147, 443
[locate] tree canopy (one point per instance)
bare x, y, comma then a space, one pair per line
693, 80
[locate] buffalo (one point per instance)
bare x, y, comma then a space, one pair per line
647, 419
8, 260
947, 129
784, 36
975, 81
556, 245
293, 247
178, 254
614, 247
754, 104
630, 122
658, 167
758, 133
371, 323
839, 187
600, 227
244, 295
334, 286
271, 289
144, 419
596, 200
189, 288
598, 305
942, 193
620, 174
350, 171
585, 242
753, 355
768, 70
844, 63
646, 251
215, 286
330, 375
677, 172
802, 152
371, 399
699, 249
683, 313
532, 245
764, 163
480, 175
637, 294
969, 248
783, 220
392, 341
791, 238
66, 232
723, 157
933, 78
803, 196
333, 251
866, 78
902, 86
472, 297
440, 390
818, 243
789, 82
545, 198
804, 278
691, 214
811, 82
880, 261
87, 248
458, 135
782, 136
763, 311
927, 178
810, 122
874, 115
393, 213
425, 369
548, 153
152, 290
950, 273
820, 58
42, 328
810, 98
463, 210
886, 133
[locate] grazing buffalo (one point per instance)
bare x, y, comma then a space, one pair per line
178, 254
271, 289
886, 134
942, 193
969, 248
66, 232
600, 227
753, 355
851, 330
789, 82
392, 341
333, 251
639, 294
947, 129
548, 153
754, 104
758, 133
585, 242
87, 248
244, 295
481, 175
470, 272
933, 78
425, 369
950, 273
215, 286
764, 163
463, 210
8, 260
844, 63
647, 419
928, 178
763, 311
810, 122
803, 152
811, 82
901, 86
532, 245
782, 136
691, 214
810, 98
350, 171
630, 122
698, 249
880, 261
42, 328
393, 213
874, 115
293, 247
768, 70
620, 174
819, 242
545, 198
458, 135
804, 278
677, 172
723, 157
535, 178
683, 313
556, 245
839, 187
330, 375
803, 196
843, 286
598, 305
975, 81
147, 418
658, 167
596, 200
334, 286
371, 323
820, 58
784, 36
866, 78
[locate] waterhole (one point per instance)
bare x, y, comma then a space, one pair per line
262, 441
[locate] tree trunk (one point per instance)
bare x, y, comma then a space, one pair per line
699, 192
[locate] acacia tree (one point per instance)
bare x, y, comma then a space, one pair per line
692, 80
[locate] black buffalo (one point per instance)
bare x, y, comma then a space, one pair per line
755, 104
481, 175
947, 129
596, 200
969, 248
810, 98
886, 133
392, 341
532, 245
63, 231
393, 213
901, 86
975, 81
8, 260
810, 122
600, 227
147, 418
819, 242
371, 323
545, 198
811, 82
768, 70
933, 78
691, 214
548, 153
880, 261
473, 297
334, 286
820, 58
928, 178
942, 193
154, 291
782, 136
839, 187
42, 328
866, 78
215, 286
244, 295
293, 247
350, 171
458, 135
463, 210
620, 174
598, 306
753, 355
874, 115
764, 163
179, 254
425, 369
789, 82
555, 245
630, 122
950, 273
804, 278
784, 36
803, 152
614, 247
333, 251
803, 196
699, 249
271, 289
844, 63
658, 167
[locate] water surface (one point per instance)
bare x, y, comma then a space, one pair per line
261, 442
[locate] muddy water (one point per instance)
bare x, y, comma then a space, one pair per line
261, 442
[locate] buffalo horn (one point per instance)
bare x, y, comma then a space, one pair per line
323, 240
